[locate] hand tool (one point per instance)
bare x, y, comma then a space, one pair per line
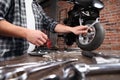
22, 73
24, 66
80, 70
84, 69
21, 64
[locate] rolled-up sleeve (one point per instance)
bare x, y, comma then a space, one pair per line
48, 23
4, 8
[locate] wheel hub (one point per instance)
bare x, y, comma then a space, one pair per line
85, 39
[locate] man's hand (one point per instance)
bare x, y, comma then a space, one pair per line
36, 37
79, 30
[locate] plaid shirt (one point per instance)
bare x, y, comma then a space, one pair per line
14, 12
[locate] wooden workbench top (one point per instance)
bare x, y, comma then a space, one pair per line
58, 70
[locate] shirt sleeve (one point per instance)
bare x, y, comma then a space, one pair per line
4, 8
48, 23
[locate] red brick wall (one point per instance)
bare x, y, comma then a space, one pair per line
110, 19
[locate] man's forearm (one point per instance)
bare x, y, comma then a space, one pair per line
66, 29
8, 29
62, 28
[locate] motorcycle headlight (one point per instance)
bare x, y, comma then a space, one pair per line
99, 6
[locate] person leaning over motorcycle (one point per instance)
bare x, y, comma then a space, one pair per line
14, 34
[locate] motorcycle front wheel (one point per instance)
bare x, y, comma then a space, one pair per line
93, 39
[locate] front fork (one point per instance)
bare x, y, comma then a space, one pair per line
96, 21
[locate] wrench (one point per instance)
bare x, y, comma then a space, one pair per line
96, 21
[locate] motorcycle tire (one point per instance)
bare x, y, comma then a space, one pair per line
97, 39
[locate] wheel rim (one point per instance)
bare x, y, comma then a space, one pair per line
85, 39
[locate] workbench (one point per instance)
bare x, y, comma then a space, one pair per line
58, 70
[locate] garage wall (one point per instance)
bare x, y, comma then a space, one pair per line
110, 19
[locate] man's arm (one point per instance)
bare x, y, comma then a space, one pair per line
53, 26
66, 29
34, 36
8, 29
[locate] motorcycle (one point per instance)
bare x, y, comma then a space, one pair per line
85, 12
